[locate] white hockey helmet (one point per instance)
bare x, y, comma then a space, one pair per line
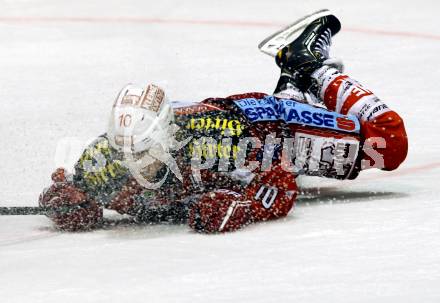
140, 118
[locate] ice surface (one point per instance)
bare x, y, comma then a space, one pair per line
376, 239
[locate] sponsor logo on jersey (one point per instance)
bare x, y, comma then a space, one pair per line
99, 166
345, 124
230, 127
324, 156
216, 126
289, 111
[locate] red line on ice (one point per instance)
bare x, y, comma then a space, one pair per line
145, 20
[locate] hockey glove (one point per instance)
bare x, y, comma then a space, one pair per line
220, 211
69, 207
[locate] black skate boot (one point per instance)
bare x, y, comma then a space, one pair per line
299, 59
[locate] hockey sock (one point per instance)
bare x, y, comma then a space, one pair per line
344, 95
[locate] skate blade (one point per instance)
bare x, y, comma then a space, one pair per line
272, 44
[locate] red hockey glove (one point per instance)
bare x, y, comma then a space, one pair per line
70, 208
220, 211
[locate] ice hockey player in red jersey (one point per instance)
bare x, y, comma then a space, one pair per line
224, 163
